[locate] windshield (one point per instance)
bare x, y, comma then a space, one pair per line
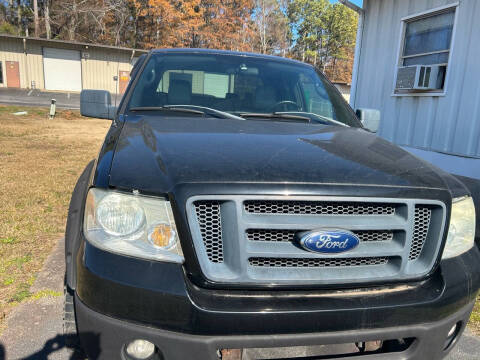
245, 86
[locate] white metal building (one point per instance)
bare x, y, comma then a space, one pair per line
63, 66
417, 61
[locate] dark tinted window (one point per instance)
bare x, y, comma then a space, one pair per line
428, 35
1, 72
238, 84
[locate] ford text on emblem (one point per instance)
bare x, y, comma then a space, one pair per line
329, 241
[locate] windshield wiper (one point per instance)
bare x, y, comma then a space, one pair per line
166, 108
320, 117
277, 115
205, 110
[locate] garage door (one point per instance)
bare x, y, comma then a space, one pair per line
62, 69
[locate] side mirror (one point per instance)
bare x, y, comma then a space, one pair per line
370, 118
97, 104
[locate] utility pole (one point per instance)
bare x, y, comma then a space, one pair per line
35, 16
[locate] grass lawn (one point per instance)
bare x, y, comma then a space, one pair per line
40, 161
475, 319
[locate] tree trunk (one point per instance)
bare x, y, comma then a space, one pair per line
10, 11
19, 16
35, 16
264, 29
73, 21
135, 32
46, 10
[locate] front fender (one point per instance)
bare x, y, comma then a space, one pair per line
75, 222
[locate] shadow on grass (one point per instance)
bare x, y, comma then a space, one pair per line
59, 342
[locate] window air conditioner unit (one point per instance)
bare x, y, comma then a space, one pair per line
418, 77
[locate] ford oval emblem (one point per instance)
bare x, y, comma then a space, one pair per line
329, 241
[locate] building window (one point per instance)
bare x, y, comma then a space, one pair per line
1, 73
425, 52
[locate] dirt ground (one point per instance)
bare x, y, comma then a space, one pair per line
40, 161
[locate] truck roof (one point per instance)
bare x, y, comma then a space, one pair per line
228, 52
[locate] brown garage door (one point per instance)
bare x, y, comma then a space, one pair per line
13, 74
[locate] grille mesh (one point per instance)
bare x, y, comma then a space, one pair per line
315, 262
317, 208
423, 216
372, 235
288, 235
265, 251
210, 222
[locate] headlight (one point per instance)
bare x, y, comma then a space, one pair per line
133, 225
461, 233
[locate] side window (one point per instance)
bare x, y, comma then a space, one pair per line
216, 85
316, 98
180, 75
137, 64
425, 53
1, 72
201, 83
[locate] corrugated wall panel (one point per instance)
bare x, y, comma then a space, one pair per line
35, 65
450, 123
101, 66
97, 71
449, 105
12, 50
391, 8
467, 126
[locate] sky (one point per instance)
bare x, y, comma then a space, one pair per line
357, 2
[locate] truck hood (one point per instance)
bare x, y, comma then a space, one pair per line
155, 154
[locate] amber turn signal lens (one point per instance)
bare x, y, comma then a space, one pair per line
162, 235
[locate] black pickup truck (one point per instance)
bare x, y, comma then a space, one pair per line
238, 209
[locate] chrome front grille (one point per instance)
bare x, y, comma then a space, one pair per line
421, 224
210, 222
289, 262
250, 239
317, 208
289, 235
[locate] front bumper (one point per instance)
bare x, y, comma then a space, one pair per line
104, 338
120, 299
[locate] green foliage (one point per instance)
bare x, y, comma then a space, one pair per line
273, 28
46, 293
341, 29
8, 240
22, 293
7, 28
325, 33
315, 31
8, 281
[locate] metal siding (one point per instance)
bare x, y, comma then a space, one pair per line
31, 65
97, 71
391, 9
13, 51
449, 123
461, 136
101, 66
34, 67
